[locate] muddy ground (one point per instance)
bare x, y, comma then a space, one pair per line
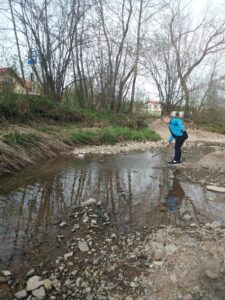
93, 259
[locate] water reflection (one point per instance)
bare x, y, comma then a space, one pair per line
130, 186
32, 202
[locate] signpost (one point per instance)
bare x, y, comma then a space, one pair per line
32, 57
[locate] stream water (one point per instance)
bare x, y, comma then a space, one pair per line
135, 188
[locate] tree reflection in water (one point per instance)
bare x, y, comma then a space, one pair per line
131, 188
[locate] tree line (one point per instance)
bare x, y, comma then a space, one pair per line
95, 52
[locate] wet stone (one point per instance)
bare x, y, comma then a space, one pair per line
214, 188
63, 224
88, 202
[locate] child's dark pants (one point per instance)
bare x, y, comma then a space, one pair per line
178, 144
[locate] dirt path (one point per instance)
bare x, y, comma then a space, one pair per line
195, 135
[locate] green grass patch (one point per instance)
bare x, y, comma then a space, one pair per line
112, 135
21, 139
28, 109
47, 129
117, 134
84, 137
20, 108
96, 116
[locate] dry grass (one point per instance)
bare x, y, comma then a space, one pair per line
15, 156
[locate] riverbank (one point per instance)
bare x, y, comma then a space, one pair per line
35, 128
22, 145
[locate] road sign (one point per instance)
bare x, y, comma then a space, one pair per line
32, 57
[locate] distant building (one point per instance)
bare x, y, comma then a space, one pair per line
173, 113
11, 81
153, 106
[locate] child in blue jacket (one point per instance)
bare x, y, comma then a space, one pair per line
179, 133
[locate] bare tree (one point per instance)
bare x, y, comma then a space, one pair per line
17, 43
51, 28
192, 43
160, 61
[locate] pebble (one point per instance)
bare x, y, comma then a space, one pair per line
68, 255
30, 273
211, 274
187, 297
21, 294
6, 273
170, 249
47, 284
186, 217
83, 246
158, 251
63, 224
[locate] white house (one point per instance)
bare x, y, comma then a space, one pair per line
153, 106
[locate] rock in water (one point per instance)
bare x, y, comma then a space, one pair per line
61, 225
214, 188
88, 202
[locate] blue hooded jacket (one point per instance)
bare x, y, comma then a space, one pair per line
176, 128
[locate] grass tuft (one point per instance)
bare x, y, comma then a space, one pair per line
21, 139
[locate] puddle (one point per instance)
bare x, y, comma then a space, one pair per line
135, 189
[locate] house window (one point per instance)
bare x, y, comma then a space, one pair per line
8, 80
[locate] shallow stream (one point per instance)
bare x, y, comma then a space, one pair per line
137, 189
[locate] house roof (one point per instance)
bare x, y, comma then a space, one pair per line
25, 83
4, 70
